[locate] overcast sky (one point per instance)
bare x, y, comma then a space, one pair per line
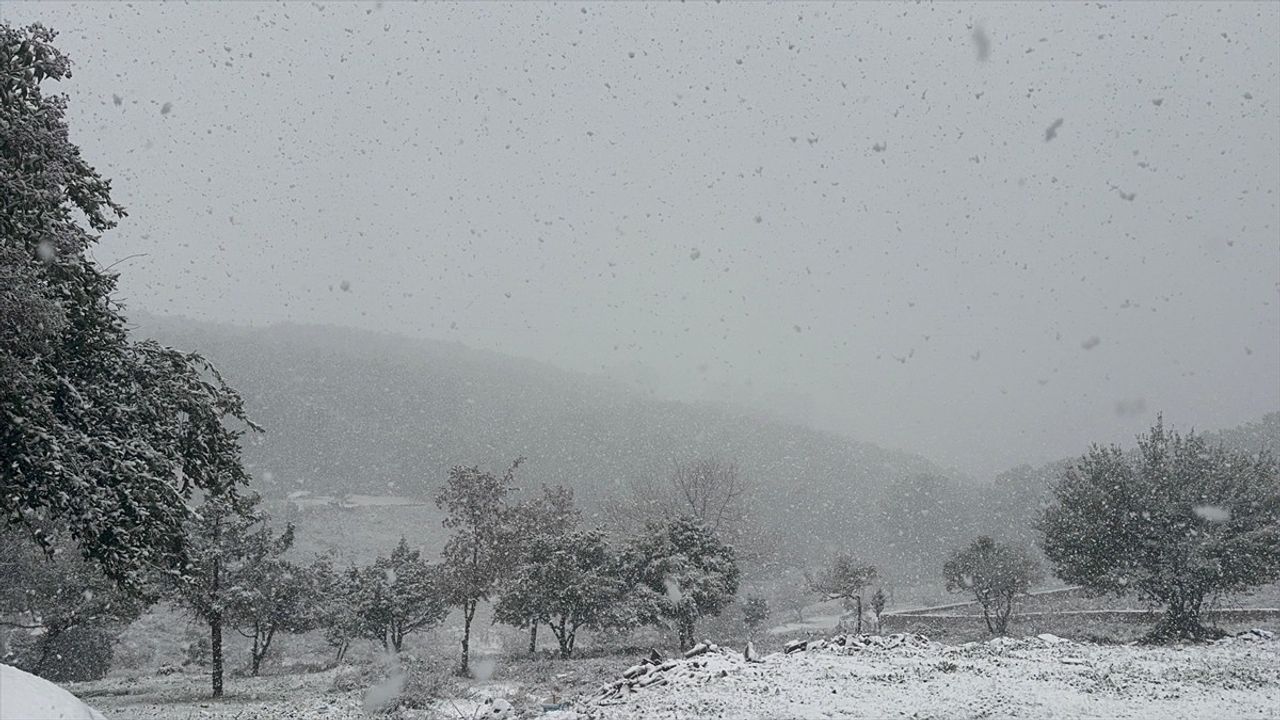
990, 234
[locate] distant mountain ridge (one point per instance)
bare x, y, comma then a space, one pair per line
350, 411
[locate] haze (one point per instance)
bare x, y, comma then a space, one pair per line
785, 207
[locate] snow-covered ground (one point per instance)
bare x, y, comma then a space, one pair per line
844, 676
910, 676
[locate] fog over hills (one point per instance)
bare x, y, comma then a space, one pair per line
349, 411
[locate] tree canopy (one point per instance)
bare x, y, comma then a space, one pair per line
844, 579
567, 581
1178, 521
475, 503
105, 436
684, 571
995, 574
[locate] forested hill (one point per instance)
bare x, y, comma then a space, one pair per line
347, 411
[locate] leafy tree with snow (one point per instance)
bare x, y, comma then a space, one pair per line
549, 515
996, 574
333, 606
1176, 522
844, 579
755, 611
399, 595
568, 581
102, 435
229, 542
475, 506
272, 595
679, 571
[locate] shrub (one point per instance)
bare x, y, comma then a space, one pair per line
78, 654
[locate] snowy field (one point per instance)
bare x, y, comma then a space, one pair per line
909, 676
843, 677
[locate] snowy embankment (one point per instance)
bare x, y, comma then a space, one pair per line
911, 676
24, 696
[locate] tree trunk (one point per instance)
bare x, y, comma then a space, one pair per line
1181, 621
215, 649
260, 650
1004, 609
255, 658
685, 625
468, 611
215, 613
533, 638
46, 642
858, 601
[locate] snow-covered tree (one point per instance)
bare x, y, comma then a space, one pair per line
333, 606
844, 579
996, 574
475, 556
567, 581
1176, 523
399, 595
550, 514
229, 542
271, 595
104, 436
679, 571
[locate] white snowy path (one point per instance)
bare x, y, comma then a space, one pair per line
1029, 678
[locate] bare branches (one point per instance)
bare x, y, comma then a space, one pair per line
710, 490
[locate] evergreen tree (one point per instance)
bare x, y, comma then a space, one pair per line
54, 603
399, 595
878, 600
754, 613
272, 595
335, 604
550, 514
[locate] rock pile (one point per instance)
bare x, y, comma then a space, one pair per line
849, 644
700, 663
706, 662
1248, 635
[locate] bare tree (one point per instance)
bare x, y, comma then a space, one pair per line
710, 490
